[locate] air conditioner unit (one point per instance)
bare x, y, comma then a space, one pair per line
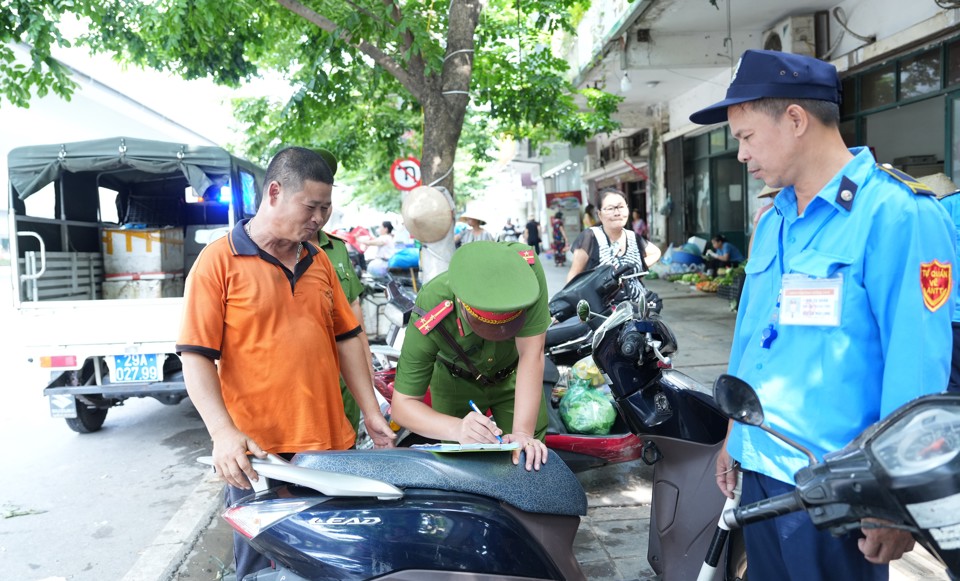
794, 34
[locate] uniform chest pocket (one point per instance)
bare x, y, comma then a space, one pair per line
759, 262
819, 264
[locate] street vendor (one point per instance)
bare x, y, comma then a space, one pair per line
477, 335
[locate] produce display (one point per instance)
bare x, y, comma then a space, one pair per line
726, 277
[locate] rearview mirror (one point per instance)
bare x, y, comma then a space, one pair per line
737, 400
583, 310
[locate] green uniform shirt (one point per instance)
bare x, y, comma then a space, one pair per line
420, 363
336, 251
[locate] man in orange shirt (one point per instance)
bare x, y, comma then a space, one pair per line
267, 304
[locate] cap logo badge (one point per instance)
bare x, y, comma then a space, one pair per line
426, 323
528, 255
936, 280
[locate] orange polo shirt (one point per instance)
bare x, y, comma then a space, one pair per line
274, 333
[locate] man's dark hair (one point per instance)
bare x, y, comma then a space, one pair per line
826, 112
292, 166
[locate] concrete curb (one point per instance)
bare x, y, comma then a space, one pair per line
161, 560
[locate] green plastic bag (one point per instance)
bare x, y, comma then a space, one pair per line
585, 410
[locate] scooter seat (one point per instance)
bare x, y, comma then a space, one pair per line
565, 331
551, 490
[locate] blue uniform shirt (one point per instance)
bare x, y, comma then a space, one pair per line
822, 385
952, 204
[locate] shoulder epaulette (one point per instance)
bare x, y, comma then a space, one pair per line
335, 237
432, 318
906, 179
529, 256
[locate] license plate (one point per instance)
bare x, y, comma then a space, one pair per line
136, 368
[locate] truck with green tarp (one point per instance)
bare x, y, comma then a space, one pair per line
102, 235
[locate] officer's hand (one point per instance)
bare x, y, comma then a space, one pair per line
478, 429
882, 545
230, 447
533, 450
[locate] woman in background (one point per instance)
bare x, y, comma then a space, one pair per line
386, 246
612, 243
559, 244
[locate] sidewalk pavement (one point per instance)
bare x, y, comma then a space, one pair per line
611, 544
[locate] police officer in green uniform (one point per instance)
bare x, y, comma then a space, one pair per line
336, 251
478, 334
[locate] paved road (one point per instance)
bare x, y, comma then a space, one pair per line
90, 507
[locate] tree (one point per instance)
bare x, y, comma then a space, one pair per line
371, 78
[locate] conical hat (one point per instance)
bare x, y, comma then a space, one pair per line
473, 211
427, 214
939, 183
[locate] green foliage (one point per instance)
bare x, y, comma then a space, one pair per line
33, 23
361, 72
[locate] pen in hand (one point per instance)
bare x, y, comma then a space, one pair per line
474, 407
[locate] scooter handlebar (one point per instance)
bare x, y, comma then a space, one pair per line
762, 510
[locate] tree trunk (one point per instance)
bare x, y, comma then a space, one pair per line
444, 109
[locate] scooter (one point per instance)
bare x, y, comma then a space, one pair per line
683, 430
904, 469
412, 515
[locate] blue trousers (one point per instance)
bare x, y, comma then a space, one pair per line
790, 548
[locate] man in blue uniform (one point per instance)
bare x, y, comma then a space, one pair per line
845, 314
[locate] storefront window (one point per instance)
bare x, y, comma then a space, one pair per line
701, 145
920, 75
953, 63
956, 137
702, 195
849, 104
878, 87
718, 140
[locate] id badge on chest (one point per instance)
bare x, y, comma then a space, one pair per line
811, 301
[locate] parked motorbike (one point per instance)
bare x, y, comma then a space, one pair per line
683, 431
905, 469
411, 515
568, 341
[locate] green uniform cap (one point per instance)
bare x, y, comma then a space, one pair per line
493, 276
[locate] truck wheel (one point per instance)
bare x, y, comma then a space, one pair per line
89, 419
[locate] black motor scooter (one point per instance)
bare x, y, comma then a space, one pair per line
904, 470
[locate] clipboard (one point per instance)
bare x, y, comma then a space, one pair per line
457, 448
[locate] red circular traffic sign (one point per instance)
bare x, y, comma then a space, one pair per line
405, 173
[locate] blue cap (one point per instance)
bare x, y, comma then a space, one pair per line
765, 74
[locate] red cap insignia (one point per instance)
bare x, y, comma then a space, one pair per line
936, 282
528, 255
430, 319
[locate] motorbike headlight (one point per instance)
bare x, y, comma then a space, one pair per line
922, 439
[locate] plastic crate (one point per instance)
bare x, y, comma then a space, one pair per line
731, 291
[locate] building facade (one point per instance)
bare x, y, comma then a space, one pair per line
899, 65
